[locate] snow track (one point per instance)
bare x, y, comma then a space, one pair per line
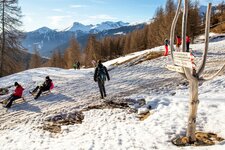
113, 128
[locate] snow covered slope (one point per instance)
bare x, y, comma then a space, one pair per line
164, 90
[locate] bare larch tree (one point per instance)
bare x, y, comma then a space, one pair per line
10, 36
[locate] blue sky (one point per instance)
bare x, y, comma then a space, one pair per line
60, 14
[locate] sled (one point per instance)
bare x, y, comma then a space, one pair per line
17, 101
44, 92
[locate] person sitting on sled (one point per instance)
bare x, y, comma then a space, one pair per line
46, 86
16, 95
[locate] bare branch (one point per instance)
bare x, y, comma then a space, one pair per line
187, 71
216, 74
173, 27
207, 28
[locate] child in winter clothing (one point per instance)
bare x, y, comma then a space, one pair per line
16, 95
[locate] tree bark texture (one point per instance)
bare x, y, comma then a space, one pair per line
193, 106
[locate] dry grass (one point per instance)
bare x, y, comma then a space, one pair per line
107, 105
139, 59
202, 139
219, 29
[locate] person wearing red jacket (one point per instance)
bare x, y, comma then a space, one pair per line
16, 95
178, 42
188, 43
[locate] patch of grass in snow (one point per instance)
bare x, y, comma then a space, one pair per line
202, 139
107, 105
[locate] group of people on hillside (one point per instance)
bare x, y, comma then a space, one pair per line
18, 92
100, 76
178, 44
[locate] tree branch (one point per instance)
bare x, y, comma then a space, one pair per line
173, 27
216, 74
207, 28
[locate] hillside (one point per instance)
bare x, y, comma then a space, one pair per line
110, 123
219, 28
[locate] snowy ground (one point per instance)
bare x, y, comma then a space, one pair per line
115, 128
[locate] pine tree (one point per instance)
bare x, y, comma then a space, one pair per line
10, 15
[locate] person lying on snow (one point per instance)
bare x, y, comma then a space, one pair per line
16, 95
46, 86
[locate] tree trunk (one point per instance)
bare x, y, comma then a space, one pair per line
192, 110
3, 38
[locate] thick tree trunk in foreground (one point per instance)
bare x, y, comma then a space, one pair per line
192, 110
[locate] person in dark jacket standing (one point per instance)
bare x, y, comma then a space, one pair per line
44, 87
16, 95
100, 75
78, 65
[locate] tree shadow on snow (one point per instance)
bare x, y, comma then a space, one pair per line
52, 97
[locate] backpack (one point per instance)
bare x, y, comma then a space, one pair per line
101, 74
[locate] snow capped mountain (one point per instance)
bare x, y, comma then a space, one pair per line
98, 27
80, 27
109, 25
43, 30
47, 40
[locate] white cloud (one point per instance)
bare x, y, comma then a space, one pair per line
96, 19
59, 21
57, 10
102, 17
78, 6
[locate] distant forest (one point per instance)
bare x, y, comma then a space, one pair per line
153, 34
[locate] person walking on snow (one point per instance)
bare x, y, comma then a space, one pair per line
78, 65
166, 42
44, 87
16, 95
100, 75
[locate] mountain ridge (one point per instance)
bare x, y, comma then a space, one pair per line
47, 40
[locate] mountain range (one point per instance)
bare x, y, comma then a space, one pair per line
46, 40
